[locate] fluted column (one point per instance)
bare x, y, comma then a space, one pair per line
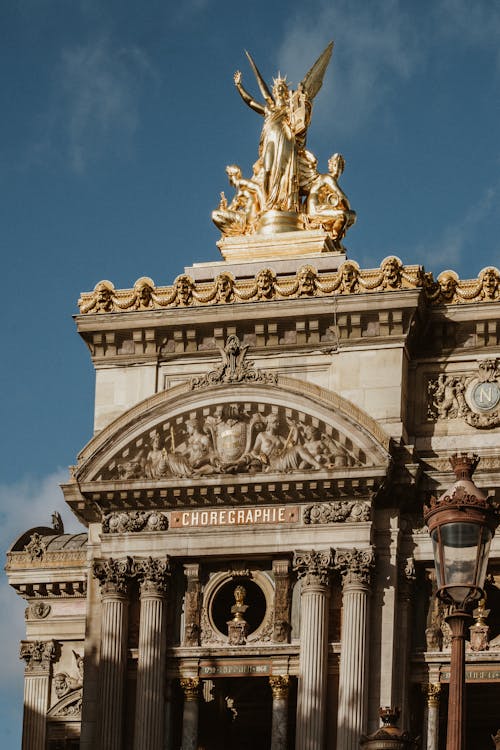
355, 568
432, 692
279, 731
153, 575
114, 577
313, 568
191, 689
38, 656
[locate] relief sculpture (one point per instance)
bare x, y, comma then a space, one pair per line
230, 439
475, 397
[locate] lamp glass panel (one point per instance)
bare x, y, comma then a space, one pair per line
465, 548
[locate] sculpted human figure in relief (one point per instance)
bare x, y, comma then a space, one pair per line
327, 204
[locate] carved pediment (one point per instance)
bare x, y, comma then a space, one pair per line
181, 435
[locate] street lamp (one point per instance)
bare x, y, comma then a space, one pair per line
461, 523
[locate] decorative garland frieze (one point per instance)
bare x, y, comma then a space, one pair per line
306, 282
337, 512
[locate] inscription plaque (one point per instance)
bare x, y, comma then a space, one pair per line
234, 516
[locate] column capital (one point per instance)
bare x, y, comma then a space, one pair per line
153, 574
190, 687
113, 575
432, 691
279, 685
314, 567
38, 655
355, 566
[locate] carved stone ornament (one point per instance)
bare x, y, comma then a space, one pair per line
226, 439
313, 567
114, 575
234, 368
337, 512
190, 687
475, 398
36, 547
496, 739
279, 686
432, 691
282, 601
392, 275
38, 655
39, 610
355, 566
134, 521
153, 574
68, 707
192, 605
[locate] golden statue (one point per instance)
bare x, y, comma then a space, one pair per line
285, 192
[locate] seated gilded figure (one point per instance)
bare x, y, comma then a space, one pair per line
240, 215
327, 205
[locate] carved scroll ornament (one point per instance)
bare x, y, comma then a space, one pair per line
134, 522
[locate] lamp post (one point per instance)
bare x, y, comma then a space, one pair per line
462, 522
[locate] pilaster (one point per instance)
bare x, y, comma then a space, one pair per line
191, 689
279, 731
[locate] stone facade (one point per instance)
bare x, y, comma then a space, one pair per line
255, 571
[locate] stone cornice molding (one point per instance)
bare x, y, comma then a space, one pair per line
38, 655
355, 566
314, 567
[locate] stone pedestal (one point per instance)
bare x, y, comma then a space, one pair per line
38, 656
279, 732
355, 568
114, 578
314, 570
151, 664
191, 689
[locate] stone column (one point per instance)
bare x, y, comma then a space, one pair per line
38, 656
432, 692
191, 689
279, 732
149, 734
402, 642
114, 576
313, 569
355, 568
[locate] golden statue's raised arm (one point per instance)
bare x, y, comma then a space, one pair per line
247, 98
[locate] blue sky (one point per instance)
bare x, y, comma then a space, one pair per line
118, 121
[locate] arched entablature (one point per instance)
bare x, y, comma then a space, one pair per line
284, 427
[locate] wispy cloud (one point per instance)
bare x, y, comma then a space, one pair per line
457, 239
378, 49
95, 105
380, 45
